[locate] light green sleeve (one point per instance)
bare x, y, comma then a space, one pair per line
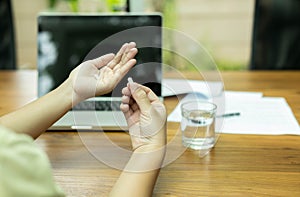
24, 168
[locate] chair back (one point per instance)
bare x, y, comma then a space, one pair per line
276, 35
7, 38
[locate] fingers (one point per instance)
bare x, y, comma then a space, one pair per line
123, 60
126, 53
103, 60
126, 91
151, 95
125, 99
140, 96
118, 57
127, 63
130, 52
125, 68
128, 104
125, 108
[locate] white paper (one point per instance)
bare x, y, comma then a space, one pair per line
237, 95
171, 87
266, 116
258, 115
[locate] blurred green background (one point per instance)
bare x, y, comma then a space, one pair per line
222, 27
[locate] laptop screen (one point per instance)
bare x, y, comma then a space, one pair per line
65, 41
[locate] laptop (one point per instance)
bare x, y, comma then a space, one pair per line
66, 40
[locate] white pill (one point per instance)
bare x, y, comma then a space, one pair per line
130, 80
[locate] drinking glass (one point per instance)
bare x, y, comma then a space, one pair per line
198, 125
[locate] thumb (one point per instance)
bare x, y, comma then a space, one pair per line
140, 96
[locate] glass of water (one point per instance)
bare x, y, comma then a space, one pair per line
198, 125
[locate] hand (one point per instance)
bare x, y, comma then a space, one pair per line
99, 76
145, 116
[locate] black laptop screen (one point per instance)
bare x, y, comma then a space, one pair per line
65, 41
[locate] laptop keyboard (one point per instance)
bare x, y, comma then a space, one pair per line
98, 106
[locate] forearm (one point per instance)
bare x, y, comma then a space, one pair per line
140, 174
34, 118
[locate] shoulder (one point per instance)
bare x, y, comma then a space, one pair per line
25, 169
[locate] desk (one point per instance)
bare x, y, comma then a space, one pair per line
239, 165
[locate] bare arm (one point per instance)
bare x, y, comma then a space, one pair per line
93, 77
37, 116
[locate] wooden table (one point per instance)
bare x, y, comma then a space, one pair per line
239, 165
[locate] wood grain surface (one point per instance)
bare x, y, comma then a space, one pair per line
239, 165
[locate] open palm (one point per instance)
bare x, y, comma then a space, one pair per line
99, 76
